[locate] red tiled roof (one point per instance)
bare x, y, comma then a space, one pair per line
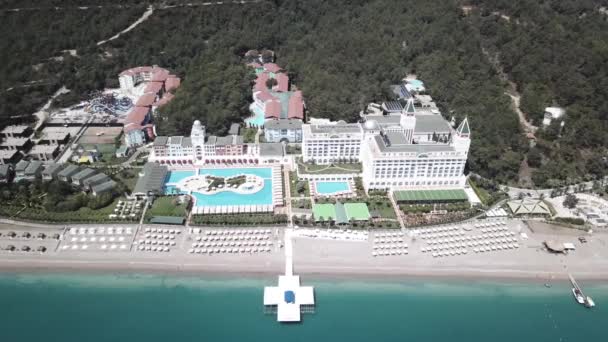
260, 81
173, 82
136, 70
159, 74
132, 127
272, 67
164, 100
273, 109
264, 96
146, 100
137, 115
282, 82
153, 87
296, 106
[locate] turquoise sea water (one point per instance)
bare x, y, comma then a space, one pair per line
328, 188
167, 308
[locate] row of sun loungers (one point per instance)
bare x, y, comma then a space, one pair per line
86, 247
218, 250
389, 240
101, 231
471, 238
235, 232
388, 235
390, 252
233, 244
162, 231
160, 236
143, 248
232, 238
155, 242
100, 239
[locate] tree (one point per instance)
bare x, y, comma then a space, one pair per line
570, 201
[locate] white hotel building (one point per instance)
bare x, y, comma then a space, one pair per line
408, 150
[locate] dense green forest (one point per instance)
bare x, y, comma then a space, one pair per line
34, 56
556, 52
343, 54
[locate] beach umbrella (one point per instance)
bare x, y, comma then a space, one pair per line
25, 248
41, 249
10, 248
11, 234
41, 235
56, 236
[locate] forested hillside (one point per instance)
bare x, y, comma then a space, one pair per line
556, 52
34, 56
342, 54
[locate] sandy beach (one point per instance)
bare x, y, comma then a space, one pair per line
333, 258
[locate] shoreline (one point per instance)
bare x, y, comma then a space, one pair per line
392, 274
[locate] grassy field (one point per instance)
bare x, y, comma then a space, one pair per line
249, 135
293, 183
82, 215
166, 206
306, 168
302, 203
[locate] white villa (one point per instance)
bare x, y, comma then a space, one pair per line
200, 149
405, 150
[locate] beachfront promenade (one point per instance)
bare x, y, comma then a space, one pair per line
330, 252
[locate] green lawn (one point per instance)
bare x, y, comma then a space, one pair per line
166, 206
128, 177
307, 168
302, 203
293, 185
84, 215
383, 206
249, 135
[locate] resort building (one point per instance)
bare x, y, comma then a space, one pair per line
138, 126
16, 131
130, 79
33, 170
406, 150
66, 174
54, 137
97, 179
272, 97
329, 143
16, 143
20, 168
51, 171
151, 85
101, 188
44, 152
201, 149
80, 177
9, 156
151, 180
283, 130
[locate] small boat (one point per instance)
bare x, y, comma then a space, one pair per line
578, 294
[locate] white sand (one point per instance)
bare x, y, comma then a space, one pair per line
343, 259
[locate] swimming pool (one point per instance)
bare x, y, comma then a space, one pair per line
257, 119
330, 188
176, 176
262, 197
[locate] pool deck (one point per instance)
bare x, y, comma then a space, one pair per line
276, 192
339, 193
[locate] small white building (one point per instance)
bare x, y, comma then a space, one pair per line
552, 113
289, 130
